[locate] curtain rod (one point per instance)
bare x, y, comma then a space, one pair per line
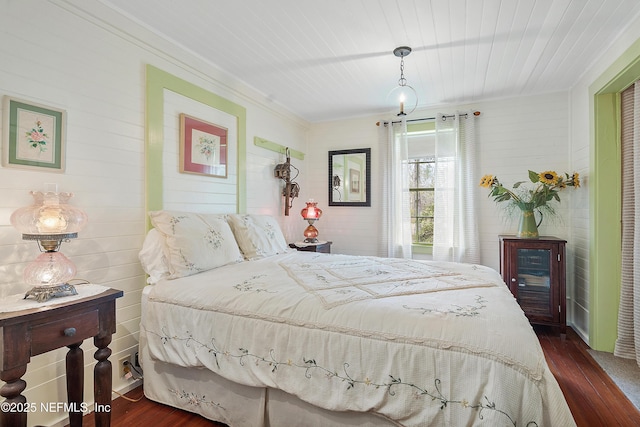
475, 113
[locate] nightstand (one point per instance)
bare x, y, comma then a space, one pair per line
534, 271
324, 247
39, 330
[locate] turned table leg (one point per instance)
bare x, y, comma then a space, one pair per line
13, 409
25, 333
102, 381
75, 383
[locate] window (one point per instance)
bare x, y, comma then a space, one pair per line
421, 165
421, 182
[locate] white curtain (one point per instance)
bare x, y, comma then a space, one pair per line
455, 236
628, 341
395, 239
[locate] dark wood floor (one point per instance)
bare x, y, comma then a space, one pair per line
593, 397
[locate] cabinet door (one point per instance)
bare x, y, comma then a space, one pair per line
536, 275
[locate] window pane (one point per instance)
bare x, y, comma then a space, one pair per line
425, 204
413, 174
414, 230
413, 205
421, 181
425, 230
426, 178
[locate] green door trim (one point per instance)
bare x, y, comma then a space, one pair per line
604, 195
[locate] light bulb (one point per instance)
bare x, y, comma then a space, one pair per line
406, 96
51, 221
49, 269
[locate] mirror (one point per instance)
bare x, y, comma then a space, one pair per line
349, 177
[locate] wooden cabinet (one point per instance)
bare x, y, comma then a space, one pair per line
535, 272
324, 247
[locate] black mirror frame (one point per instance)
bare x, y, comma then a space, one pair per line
367, 174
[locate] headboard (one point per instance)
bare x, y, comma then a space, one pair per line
166, 188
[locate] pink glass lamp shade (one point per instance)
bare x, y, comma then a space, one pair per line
311, 213
50, 220
49, 269
49, 216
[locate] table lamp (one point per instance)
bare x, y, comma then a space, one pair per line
50, 220
311, 213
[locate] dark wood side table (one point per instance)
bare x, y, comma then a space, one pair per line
324, 247
534, 270
35, 331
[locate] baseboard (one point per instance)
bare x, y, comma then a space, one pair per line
64, 421
584, 336
127, 388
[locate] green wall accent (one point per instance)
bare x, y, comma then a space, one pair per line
157, 82
605, 204
278, 148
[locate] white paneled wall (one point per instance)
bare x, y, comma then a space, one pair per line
353, 230
581, 155
97, 79
96, 73
578, 309
514, 135
190, 192
74, 61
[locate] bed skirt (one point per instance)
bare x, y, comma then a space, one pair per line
203, 392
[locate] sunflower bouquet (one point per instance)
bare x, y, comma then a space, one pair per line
547, 186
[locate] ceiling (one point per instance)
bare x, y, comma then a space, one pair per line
332, 59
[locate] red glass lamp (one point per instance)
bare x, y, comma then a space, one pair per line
311, 213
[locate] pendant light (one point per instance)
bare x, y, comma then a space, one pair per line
403, 95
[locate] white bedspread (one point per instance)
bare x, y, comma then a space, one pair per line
421, 343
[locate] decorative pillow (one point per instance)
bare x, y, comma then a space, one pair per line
193, 244
213, 217
258, 236
153, 257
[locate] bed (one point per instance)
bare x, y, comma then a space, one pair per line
243, 330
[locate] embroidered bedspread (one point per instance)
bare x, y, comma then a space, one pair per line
421, 343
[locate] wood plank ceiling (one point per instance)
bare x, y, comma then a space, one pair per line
332, 59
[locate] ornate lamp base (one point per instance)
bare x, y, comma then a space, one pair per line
311, 233
45, 293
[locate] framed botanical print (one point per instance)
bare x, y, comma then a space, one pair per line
34, 136
203, 147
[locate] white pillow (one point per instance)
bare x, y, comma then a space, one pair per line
212, 217
153, 257
193, 244
258, 236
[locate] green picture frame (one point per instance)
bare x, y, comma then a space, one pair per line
33, 136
